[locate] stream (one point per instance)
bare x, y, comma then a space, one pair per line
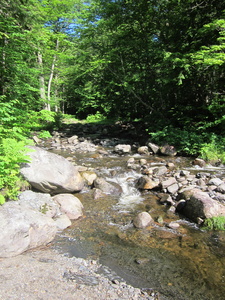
183, 264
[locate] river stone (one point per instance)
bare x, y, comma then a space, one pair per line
200, 205
89, 177
70, 205
51, 173
168, 150
146, 183
62, 222
166, 183
142, 220
39, 202
106, 187
215, 181
221, 188
122, 149
153, 147
143, 150
22, 229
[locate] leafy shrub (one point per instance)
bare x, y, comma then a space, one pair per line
12, 154
44, 134
98, 117
214, 150
214, 223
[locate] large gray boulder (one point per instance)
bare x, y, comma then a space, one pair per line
22, 229
39, 202
69, 205
200, 205
51, 173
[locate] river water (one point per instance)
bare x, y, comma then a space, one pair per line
183, 264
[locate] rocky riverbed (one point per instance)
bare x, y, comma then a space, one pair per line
45, 274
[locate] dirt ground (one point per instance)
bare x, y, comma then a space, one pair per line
44, 274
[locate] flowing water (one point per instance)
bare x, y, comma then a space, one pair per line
186, 263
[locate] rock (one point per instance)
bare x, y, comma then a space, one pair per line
153, 147
146, 183
166, 183
106, 187
122, 149
142, 220
200, 205
173, 225
159, 171
62, 222
173, 189
199, 162
39, 202
98, 194
143, 150
70, 205
36, 139
89, 177
168, 150
221, 188
85, 146
215, 181
73, 139
22, 229
51, 173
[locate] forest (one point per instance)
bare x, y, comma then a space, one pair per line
161, 63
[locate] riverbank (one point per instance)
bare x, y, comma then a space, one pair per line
45, 274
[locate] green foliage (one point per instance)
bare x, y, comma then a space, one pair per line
44, 134
214, 223
44, 120
12, 155
2, 199
214, 150
98, 117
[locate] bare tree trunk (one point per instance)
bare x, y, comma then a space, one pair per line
42, 82
52, 73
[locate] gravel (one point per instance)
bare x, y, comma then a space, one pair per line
44, 274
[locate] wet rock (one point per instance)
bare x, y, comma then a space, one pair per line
173, 225
159, 171
168, 150
143, 220
73, 139
143, 150
62, 222
106, 187
23, 228
98, 194
122, 149
70, 205
200, 205
88, 177
147, 183
199, 162
51, 173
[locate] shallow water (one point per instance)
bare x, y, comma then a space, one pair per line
186, 263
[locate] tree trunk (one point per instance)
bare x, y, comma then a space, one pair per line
52, 73
42, 82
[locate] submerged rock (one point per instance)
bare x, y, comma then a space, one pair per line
143, 220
